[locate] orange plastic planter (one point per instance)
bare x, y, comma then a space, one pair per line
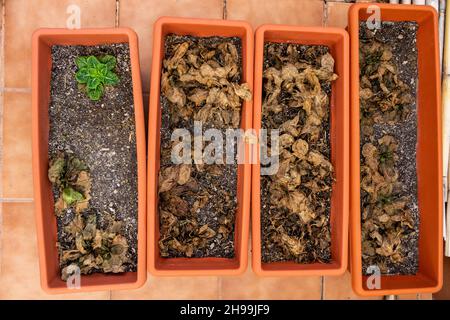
42, 41
338, 42
429, 160
197, 266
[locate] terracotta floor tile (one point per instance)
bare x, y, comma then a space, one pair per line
24, 16
257, 12
444, 294
19, 272
1, 45
17, 175
411, 296
340, 288
425, 296
337, 14
141, 14
168, 288
250, 286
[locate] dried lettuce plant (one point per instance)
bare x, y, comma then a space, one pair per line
297, 83
386, 218
95, 249
90, 247
70, 176
384, 99
200, 82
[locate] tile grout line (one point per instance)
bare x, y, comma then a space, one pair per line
224, 10
322, 287
325, 14
16, 200
15, 90
117, 14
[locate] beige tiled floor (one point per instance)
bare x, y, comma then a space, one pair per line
250, 286
196, 288
131, 16
337, 14
19, 275
257, 12
17, 174
19, 270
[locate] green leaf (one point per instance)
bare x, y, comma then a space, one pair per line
82, 75
109, 60
70, 195
95, 94
102, 70
56, 169
111, 79
81, 62
92, 62
93, 83
93, 72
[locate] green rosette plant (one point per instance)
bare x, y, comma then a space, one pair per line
95, 73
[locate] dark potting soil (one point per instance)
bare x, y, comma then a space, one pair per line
214, 186
400, 37
102, 134
296, 201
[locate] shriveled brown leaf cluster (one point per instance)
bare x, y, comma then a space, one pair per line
384, 99
95, 249
200, 82
297, 82
92, 248
386, 218
181, 198
70, 176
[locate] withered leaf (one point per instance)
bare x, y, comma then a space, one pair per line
56, 169
300, 148
95, 248
292, 244
184, 174
71, 177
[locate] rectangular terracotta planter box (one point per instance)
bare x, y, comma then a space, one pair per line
158, 265
338, 42
42, 41
429, 161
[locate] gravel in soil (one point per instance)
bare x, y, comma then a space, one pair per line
102, 134
400, 38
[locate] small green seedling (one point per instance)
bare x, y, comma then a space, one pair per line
386, 155
95, 73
